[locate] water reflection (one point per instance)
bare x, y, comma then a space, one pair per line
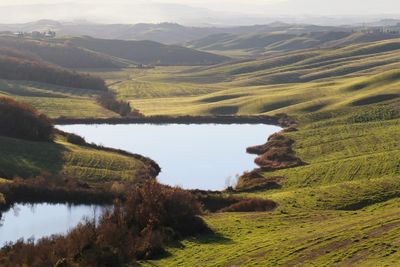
34, 221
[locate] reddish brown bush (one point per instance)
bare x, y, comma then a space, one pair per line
277, 153
136, 228
22, 121
275, 140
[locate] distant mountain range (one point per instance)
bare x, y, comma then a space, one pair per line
171, 33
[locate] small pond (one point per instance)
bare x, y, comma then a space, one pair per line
195, 156
42, 220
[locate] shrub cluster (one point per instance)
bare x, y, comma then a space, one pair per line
219, 202
136, 228
76, 139
108, 101
277, 153
19, 120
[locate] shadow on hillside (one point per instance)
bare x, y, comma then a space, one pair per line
374, 99
214, 238
224, 110
27, 159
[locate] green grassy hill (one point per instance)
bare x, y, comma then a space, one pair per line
297, 82
341, 207
365, 237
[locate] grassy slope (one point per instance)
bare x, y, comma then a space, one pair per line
352, 166
56, 101
347, 102
367, 237
27, 159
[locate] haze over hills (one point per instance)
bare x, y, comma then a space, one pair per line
194, 12
167, 33
173, 33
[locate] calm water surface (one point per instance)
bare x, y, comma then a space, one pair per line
41, 220
197, 156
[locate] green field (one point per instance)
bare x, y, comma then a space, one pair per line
29, 159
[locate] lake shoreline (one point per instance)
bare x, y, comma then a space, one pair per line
279, 120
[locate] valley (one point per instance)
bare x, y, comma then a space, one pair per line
337, 100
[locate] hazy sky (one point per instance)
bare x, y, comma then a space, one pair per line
191, 11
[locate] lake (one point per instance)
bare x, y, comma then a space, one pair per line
41, 220
195, 156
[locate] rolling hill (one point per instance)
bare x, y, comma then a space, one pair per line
167, 33
292, 82
52, 89
63, 55
262, 43
148, 52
